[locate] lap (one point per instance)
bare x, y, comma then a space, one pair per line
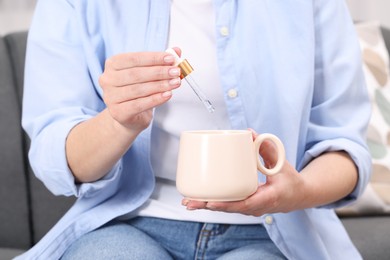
116, 241
194, 240
154, 238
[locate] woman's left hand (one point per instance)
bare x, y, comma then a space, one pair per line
282, 192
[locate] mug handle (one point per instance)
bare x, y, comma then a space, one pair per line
280, 149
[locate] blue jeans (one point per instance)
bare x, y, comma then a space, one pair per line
153, 238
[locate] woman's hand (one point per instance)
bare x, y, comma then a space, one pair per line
282, 192
326, 179
134, 83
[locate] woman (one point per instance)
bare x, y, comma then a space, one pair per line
112, 106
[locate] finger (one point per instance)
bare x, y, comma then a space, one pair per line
134, 107
140, 105
116, 95
254, 134
177, 51
139, 59
230, 206
193, 204
138, 75
268, 152
255, 205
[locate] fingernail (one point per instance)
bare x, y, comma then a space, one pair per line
169, 59
174, 82
174, 72
184, 202
167, 94
210, 206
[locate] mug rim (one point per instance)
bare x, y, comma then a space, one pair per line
217, 132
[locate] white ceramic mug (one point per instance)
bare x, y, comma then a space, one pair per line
221, 165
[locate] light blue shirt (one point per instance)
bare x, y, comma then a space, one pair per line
295, 65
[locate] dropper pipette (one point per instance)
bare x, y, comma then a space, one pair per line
186, 69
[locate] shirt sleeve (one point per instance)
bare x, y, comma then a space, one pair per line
60, 91
340, 110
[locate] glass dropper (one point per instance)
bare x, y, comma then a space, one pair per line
186, 70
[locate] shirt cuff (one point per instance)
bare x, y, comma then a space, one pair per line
359, 155
48, 160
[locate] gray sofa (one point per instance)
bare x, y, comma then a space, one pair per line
28, 210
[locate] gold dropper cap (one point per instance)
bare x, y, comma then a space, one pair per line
185, 68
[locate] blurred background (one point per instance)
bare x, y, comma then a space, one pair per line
368, 10
16, 15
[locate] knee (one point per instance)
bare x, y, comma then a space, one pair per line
117, 241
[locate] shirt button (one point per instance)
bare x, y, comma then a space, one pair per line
269, 220
232, 93
224, 31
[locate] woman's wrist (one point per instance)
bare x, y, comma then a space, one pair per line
94, 146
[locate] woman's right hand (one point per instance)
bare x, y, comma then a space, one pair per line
134, 83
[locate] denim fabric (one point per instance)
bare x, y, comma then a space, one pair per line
153, 238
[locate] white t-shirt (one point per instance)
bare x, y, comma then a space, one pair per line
196, 38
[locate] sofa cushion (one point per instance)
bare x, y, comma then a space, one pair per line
14, 217
386, 36
16, 43
370, 235
46, 209
10, 253
376, 198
